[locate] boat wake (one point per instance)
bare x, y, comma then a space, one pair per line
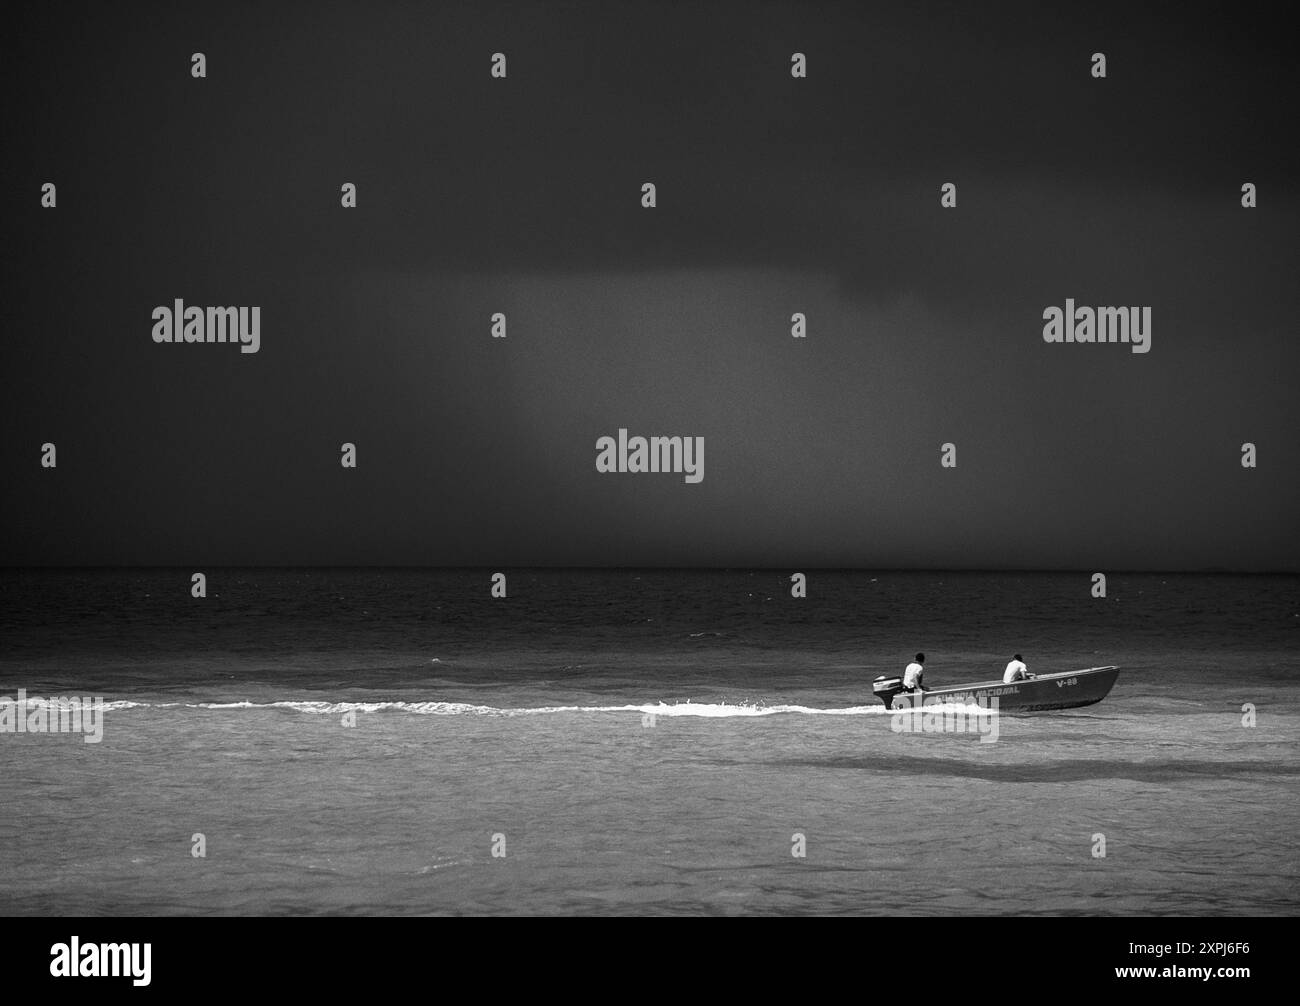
697, 709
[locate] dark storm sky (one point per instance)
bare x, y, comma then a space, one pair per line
775, 195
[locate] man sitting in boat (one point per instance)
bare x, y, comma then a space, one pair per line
1016, 671
912, 676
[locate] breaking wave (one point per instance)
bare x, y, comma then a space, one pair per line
699, 709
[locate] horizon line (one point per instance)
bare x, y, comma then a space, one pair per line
1201, 571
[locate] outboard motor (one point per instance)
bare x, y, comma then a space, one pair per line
886, 688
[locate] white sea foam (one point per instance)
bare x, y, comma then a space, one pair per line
698, 709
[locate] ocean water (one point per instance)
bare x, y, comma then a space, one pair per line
643, 742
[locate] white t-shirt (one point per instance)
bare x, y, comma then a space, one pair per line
912, 675
1010, 674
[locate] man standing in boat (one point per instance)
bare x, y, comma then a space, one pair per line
1016, 671
912, 676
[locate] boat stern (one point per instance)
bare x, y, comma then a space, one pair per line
886, 687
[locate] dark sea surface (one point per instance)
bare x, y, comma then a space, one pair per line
644, 742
